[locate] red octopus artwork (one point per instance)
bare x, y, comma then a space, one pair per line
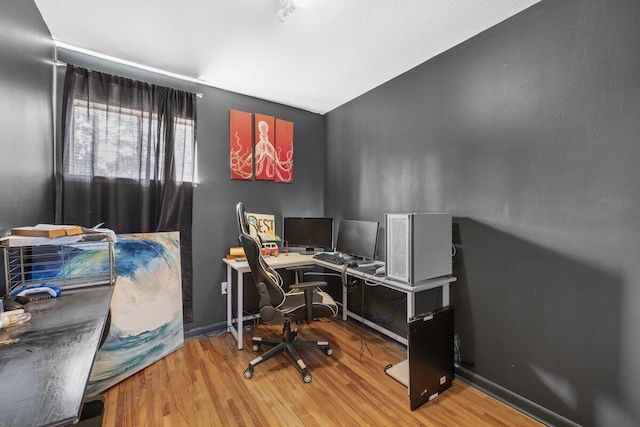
272, 154
241, 156
264, 150
284, 151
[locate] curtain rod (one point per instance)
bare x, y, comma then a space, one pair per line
59, 63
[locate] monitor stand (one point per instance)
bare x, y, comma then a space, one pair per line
308, 251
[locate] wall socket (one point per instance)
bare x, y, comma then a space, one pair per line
224, 288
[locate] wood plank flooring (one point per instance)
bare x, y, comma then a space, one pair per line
202, 384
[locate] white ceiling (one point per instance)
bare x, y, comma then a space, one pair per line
326, 54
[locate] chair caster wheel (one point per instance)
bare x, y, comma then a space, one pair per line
306, 378
255, 347
248, 373
328, 351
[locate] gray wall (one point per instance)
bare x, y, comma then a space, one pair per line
529, 135
26, 129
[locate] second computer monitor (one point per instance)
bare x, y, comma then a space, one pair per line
308, 233
357, 238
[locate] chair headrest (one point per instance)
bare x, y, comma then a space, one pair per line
243, 225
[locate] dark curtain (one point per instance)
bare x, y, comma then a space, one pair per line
127, 159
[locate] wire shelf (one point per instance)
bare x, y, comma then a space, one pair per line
67, 266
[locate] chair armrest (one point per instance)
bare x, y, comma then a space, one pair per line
308, 288
308, 285
299, 271
301, 267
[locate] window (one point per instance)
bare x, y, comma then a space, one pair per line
120, 143
184, 151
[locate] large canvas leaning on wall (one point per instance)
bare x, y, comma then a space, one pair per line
146, 308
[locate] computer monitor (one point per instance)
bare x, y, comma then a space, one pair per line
308, 233
357, 238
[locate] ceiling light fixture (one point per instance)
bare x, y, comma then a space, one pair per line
288, 6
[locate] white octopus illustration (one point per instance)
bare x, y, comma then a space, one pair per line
269, 160
241, 161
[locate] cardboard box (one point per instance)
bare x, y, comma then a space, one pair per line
47, 230
236, 251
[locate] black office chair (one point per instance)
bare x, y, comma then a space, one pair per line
305, 301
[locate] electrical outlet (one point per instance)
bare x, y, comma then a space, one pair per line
224, 288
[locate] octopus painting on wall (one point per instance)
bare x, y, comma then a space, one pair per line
284, 151
240, 145
272, 156
265, 150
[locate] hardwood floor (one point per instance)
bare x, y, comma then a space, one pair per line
202, 384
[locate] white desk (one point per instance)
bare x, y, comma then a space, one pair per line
296, 260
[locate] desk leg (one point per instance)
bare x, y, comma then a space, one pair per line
92, 412
229, 299
240, 313
411, 305
237, 334
344, 303
445, 294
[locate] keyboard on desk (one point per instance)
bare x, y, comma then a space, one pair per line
332, 258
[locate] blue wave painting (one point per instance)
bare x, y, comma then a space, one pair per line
68, 262
146, 308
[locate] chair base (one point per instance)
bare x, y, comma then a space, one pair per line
288, 343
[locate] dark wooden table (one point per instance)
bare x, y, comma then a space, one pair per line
43, 377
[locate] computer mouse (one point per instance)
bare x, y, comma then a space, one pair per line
352, 264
